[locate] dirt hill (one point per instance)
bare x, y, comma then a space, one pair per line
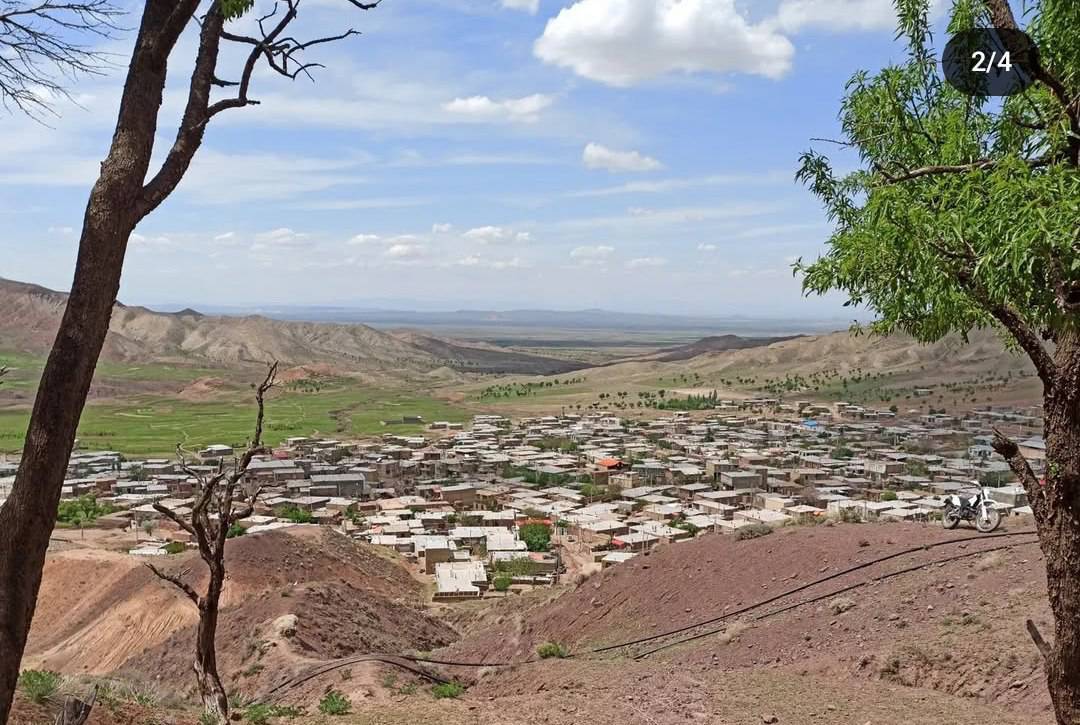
716, 343
293, 598
32, 313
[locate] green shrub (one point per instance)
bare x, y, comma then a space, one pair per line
294, 514
39, 685
537, 537
81, 510
551, 649
260, 713
235, 529
334, 703
753, 531
888, 495
175, 547
448, 690
501, 582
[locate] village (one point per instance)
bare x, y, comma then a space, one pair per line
499, 505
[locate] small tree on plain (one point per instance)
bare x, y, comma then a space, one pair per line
219, 504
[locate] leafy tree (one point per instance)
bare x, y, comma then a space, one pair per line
537, 537
964, 214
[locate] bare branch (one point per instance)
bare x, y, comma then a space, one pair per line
174, 517
39, 49
175, 580
1044, 648
1029, 340
1008, 450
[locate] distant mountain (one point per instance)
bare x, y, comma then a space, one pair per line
716, 343
30, 315
591, 319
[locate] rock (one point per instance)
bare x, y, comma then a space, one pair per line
769, 719
285, 625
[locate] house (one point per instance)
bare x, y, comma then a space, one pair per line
460, 580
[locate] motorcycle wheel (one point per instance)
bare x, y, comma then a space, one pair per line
949, 518
991, 522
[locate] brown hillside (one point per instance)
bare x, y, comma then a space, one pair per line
293, 597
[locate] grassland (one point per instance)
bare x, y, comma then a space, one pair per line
153, 424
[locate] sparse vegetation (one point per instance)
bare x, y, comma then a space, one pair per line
552, 649
753, 531
39, 685
334, 703
537, 536
448, 690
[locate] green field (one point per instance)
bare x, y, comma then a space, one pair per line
152, 425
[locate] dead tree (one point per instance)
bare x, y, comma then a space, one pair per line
127, 190
219, 504
40, 48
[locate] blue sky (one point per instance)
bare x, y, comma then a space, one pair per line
625, 154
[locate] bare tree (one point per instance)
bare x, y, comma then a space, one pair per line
125, 192
40, 48
219, 504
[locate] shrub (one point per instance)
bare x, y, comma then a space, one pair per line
753, 531
501, 582
851, 515
81, 510
448, 690
235, 529
39, 685
334, 703
551, 649
294, 514
175, 547
888, 495
537, 537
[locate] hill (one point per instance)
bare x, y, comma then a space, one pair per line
293, 598
31, 314
715, 343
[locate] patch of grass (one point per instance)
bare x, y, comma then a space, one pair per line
334, 703
260, 713
39, 685
551, 649
753, 531
152, 425
448, 690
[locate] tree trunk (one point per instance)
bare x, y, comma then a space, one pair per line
28, 515
211, 691
1059, 534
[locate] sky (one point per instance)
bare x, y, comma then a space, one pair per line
633, 155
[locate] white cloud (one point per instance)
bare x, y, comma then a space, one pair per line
495, 235
592, 254
476, 261
706, 247
624, 42
405, 250
596, 156
282, 237
529, 6
364, 239
441, 228
525, 109
646, 262
226, 237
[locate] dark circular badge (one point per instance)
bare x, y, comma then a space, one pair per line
988, 62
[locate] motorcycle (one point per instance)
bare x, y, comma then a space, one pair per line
977, 509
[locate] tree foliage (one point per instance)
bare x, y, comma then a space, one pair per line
963, 213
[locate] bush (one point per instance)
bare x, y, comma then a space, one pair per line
501, 582
551, 649
851, 515
235, 529
753, 531
888, 495
294, 514
537, 537
82, 510
39, 685
175, 547
334, 703
448, 690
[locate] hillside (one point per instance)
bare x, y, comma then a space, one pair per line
32, 313
293, 598
715, 343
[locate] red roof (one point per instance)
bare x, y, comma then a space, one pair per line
609, 462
